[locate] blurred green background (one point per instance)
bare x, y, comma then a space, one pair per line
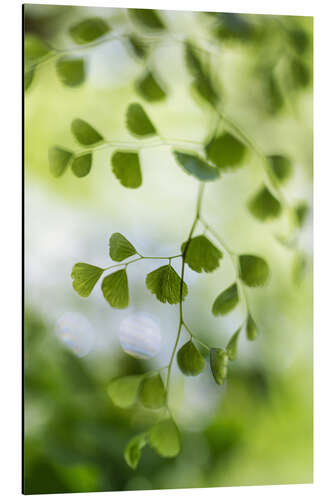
257, 428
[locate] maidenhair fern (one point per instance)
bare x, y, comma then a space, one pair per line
222, 152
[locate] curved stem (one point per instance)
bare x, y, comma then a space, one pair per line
141, 257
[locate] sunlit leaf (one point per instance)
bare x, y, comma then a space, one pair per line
123, 391
138, 46
34, 49
120, 248
281, 167
226, 301
219, 364
196, 166
85, 277
225, 151
232, 345
165, 283
81, 165
149, 88
264, 206
251, 328
138, 122
254, 270
190, 360
201, 254
71, 70
115, 289
126, 167
133, 449
84, 133
58, 160
164, 438
88, 30
152, 392
28, 78
301, 210
148, 18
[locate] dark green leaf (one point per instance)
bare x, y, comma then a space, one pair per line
148, 87
197, 167
201, 254
138, 46
123, 390
164, 438
81, 165
219, 364
263, 205
88, 30
132, 452
299, 39
58, 160
34, 49
300, 73
301, 210
115, 289
232, 345
251, 328
189, 359
120, 248
152, 392
138, 122
202, 82
28, 77
126, 167
148, 18
281, 167
84, 133
165, 283
71, 70
272, 92
226, 301
225, 151
254, 270
85, 277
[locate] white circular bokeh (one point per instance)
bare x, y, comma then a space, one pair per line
76, 332
140, 336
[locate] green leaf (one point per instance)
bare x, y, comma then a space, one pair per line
300, 73
115, 289
165, 283
232, 345
81, 165
85, 277
148, 87
225, 151
138, 122
34, 49
202, 81
254, 270
126, 167
196, 166
138, 46
28, 77
133, 449
201, 254
301, 210
88, 30
58, 160
298, 268
123, 390
164, 438
148, 18
281, 167
152, 392
190, 360
251, 328
120, 248
71, 70
263, 205
84, 133
226, 301
219, 364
